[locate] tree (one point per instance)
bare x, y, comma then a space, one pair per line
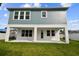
0, 4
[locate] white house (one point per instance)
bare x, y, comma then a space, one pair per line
37, 25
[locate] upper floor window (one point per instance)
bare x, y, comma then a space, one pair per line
43, 14
22, 15
27, 16
16, 15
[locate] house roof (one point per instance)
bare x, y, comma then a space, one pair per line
38, 9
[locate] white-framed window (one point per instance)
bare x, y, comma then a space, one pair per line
16, 15
22, 15
28, 15
26, 33
43, 14
50, 32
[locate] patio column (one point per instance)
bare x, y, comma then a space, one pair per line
66, 35
35, 34
7, 34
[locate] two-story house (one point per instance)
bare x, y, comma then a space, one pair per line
37, 25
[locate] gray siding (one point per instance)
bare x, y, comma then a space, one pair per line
53, 17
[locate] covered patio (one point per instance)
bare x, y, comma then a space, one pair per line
39, 34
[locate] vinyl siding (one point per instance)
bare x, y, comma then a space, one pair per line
53, 17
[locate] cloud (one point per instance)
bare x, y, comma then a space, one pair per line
37, 5
26, 5
3, 7
0, 8
73, 24
66, 4
31, 5
5, 15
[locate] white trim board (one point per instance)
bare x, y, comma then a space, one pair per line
39, 25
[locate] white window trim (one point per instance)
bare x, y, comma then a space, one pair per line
19, 15
29, 15
24, 15
42, 16
25, 34
14, 15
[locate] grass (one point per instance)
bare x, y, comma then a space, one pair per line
38, 49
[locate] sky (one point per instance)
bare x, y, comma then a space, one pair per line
72, 14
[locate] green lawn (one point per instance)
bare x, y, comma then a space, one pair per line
39, 49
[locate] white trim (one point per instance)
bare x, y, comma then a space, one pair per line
23, 15
35, 34
14, 15
19, 15
39, 25
42, 16
38, 41
29, 15
66, 36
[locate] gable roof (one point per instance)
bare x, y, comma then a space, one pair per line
38, 9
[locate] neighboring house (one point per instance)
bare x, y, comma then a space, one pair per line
2, 30
74, 34
37, 25
2, 34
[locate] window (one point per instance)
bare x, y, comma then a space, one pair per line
23, 33
27, 16
48, 32
30, 33
41, 34
52, 33
22, 15
16, 15
44, 14
26, 33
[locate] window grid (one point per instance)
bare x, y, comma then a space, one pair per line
50, 33
16, 13
22, 15
26, 33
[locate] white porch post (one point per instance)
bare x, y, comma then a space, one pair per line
58, 35
35, 34
7, 34
66, 35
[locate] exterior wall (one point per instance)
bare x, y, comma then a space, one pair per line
19, 37
74, 36
48, 38
32, 26
53, 17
